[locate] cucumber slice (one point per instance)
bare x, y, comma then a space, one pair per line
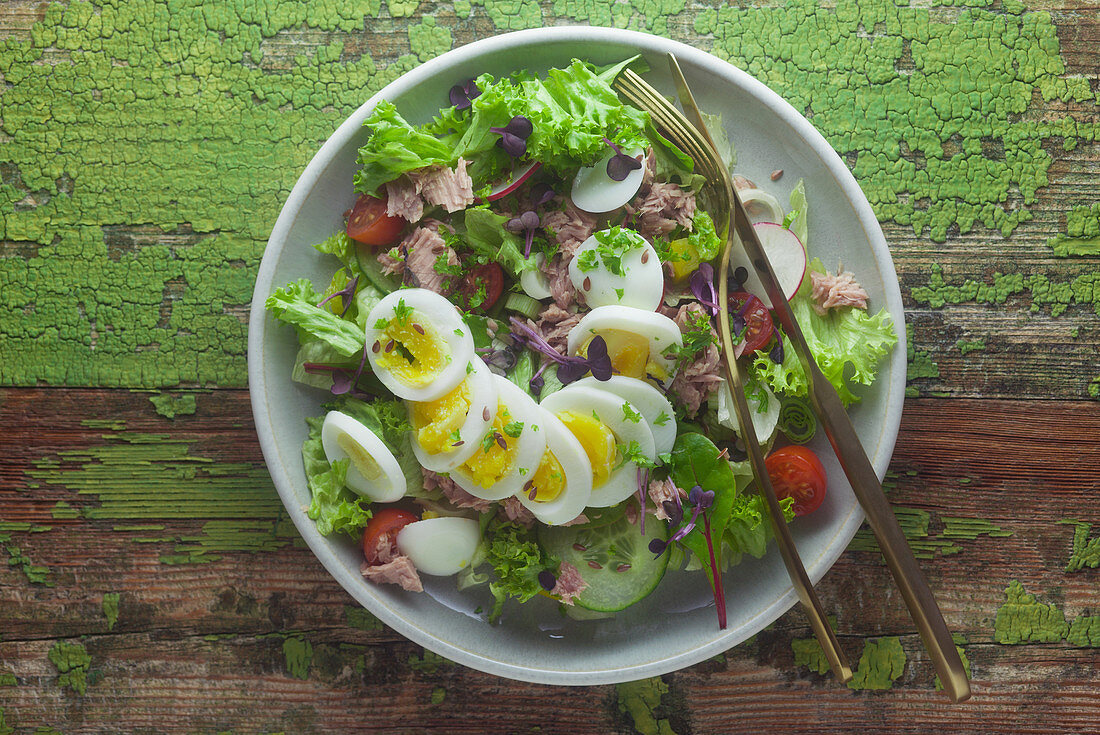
372, 269
614, 560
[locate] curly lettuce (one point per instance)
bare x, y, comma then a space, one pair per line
516, 559
296, 303
334, 507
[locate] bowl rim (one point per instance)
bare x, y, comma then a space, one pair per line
846, 526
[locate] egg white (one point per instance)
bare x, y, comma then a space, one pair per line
608, 408
391, 485
442, 323
574, 496
596, 192
483, 409
650, 402
642, 284
440, 546
657, 328
530, 445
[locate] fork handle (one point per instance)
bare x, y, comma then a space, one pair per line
891, 540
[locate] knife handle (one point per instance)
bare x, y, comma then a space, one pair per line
891, 540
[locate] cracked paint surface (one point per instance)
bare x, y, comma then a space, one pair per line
72, 662
1084, 552
1024, 619
640, 699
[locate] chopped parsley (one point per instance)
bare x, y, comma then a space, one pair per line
632, 452
611, 246
662, 419
455, 437
697, 338
619, 292
513, 429
630, 414
488, 441
402, 311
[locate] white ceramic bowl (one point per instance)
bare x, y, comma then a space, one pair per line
676, 626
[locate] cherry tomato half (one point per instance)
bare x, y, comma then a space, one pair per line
369, 224
491, 276
797, 473
384, 524
758, 321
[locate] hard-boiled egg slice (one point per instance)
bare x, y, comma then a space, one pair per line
506, 454
440, 546
446, 431
596, 192
636, 339
618, 266
650, 402
534, 282
560, 487
373, 471
417, 344
596, 418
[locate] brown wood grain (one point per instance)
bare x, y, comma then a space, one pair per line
203, 643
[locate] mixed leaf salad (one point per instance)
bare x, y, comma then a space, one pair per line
518, 346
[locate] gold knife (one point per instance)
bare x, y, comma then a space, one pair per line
842, 435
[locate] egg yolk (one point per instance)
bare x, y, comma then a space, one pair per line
598, 442
410, 349
628, 352
497, 454
548, 480
360, 459
437, 421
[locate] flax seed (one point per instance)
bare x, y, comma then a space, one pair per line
776, 174
578, 547
500, 440
485, 415
390, 345
645, 257
376, 347
418, 328
594, 565
622, 567
587, 283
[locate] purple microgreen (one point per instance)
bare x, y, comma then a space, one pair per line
570, 367
776, 354
541, 193
702, 286
504, 359
514, 135
674, 511
620, 165
462, 95
547, 580
537, 382
343, 381
657, 546
347, 292
527, 223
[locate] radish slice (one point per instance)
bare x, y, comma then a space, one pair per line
761, 206
440, 546
535, 283
596, 192
786, 254
519, 175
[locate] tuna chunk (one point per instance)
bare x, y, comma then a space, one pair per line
569, 226
663, 208
452, 189
659, 492
569, 583
698, 378
561, 287
458, 497
554, 324
403, 199
515, 511
840, 290
399, 570
422, 250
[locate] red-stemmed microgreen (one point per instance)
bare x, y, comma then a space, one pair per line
514, 135
643, 487
570, 367
620, 165
348, 292
702, 286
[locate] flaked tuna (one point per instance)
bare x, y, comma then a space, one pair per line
831, 291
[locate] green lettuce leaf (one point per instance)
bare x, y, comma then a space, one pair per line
704, 237
847, 343
516, 559
486, 236
296, 303
332, 506
749, 530
394, 148
800, 211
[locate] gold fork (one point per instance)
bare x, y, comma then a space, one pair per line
827, 406
720, 188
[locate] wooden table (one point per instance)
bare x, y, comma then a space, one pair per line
153, 581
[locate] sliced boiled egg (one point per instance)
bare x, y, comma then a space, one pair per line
417, 344
509, 451
560, 487
440, 546
650, 402
534, 282
595, 191
618, 266
373, 471
446, 431
636, 340
598, 421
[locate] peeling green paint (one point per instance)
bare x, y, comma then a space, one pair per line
808, 653
438, 695
427, 39
63, 510
1083, 290
880, 665
430, 663
914, 524
959, 642
1084, 552
971, 528
5, 728
170, 406
110, 609
1023, 619
7, 679
1082, 236
640, 699
299, 655
358, 617
1094, 387
72, 662
35, 573
919, 364
1084, 631
965, 347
